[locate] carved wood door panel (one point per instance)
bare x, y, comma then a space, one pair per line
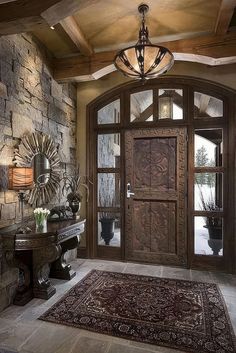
155, 216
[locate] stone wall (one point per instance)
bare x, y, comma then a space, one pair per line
30, 100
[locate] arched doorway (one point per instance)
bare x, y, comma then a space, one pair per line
161, 159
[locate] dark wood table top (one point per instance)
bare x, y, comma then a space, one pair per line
57, 232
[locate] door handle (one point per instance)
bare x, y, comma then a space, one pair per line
129, 193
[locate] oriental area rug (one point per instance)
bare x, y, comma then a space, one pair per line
185, 315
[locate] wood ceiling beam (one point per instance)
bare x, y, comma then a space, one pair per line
224, 16
21, 9
145, 114
73, 30
5, 1
203, 104
219, 46
77, 66
97, 65
25, 15
65, 8
22, 15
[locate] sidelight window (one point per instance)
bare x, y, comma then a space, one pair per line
208, 192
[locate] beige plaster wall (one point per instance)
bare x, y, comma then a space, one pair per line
88, 91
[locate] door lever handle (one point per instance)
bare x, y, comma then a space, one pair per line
129, 193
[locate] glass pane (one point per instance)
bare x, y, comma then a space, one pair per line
206, 106
208, 236
141, 106
109, 151
110, 114
170, 104
208, 148
208, 194
109, 229
108, 189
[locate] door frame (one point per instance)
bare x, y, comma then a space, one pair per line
189, 85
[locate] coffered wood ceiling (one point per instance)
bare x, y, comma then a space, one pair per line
87, 33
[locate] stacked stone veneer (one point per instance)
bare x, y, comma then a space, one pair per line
30, 100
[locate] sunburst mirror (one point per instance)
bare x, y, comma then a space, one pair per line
40, 152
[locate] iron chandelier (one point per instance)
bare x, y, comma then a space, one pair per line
144, 60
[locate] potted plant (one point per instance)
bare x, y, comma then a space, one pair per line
213, 223
72, 185
108, 226
107, 218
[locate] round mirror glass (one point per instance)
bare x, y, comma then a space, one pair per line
41, 169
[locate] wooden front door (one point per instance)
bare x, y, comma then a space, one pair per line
155, 216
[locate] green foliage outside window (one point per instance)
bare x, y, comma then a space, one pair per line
202, 160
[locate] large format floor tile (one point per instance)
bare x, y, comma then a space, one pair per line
20, 331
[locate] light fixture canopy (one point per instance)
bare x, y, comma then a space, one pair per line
144, 60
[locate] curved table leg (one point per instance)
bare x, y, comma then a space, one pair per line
60, 269
42, 258
24, 291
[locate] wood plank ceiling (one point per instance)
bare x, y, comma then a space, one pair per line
87, 33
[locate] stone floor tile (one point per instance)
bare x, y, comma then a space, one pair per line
201, 276
154, 348
118, 348
104, 337
233, 321
51, 338
115, 266
155, 271
32, 314
5, 322
14, 336
13, 312
228, 290
94, 264
223, 278
44, 337
230, 303
75, 264
81, 273
178, 273
103, 265
90, 345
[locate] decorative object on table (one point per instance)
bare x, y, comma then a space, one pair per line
144, 60
21, 180
72, 185
39, 151
213, 222
59, 213
184, 315
41, 215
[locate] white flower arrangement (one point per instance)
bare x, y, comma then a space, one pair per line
41, 215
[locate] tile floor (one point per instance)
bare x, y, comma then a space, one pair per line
20, 331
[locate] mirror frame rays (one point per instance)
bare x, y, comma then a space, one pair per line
30, 146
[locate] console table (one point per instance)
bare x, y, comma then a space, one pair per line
40, 256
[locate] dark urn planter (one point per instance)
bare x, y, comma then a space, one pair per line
215, 238
108, 227
74, 206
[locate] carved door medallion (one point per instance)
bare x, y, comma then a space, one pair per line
155, 218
